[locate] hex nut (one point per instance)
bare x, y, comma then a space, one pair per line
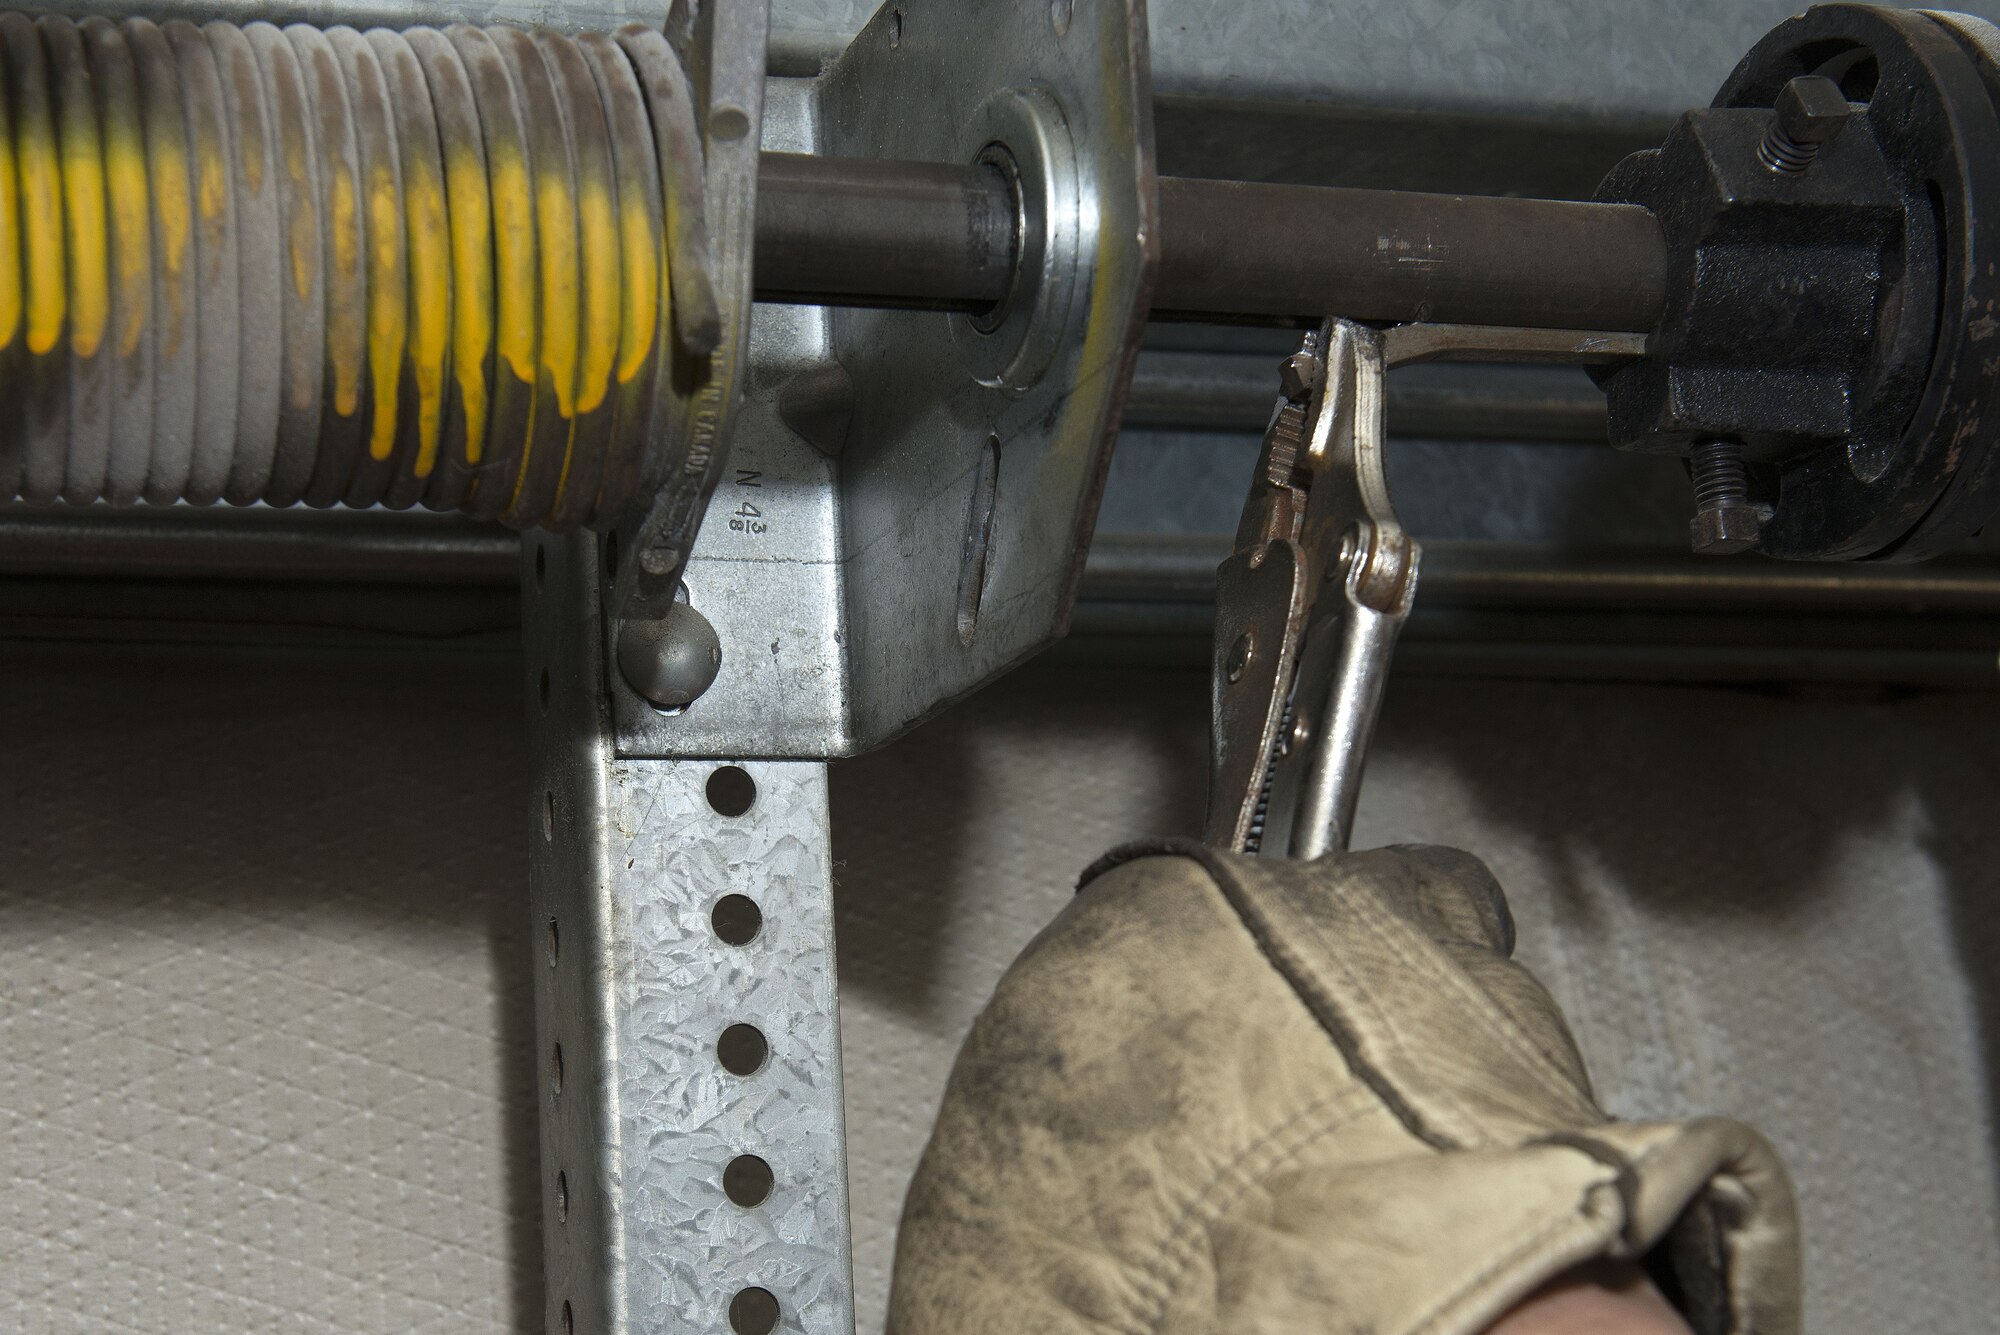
1812, 110
1724, 530
1298, 375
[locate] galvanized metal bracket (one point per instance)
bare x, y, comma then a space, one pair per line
987, 441
692, 1145
910, 494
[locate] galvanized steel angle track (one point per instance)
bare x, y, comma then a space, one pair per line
636, 984
569, 872
985, 442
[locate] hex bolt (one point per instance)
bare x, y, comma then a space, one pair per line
1811, 111
672, 660
1298, 375
1725, 522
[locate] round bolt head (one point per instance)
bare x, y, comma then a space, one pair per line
670, 661
1812, 109
1724, 531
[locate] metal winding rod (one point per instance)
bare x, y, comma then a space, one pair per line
421, 267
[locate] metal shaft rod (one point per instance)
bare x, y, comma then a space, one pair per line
849, 232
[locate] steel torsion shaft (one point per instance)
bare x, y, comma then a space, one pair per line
245, 264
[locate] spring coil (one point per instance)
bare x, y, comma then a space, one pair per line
246, 264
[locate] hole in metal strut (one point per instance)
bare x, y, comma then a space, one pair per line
742, 1049
731, 790
728, 123
1060, 13
753, 1312
978, 540
555, 942
562, 1197
736, 919
747, 1181
549, 815
568, 1319
895, 28
555, 1070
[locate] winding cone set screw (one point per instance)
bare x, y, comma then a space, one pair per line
1725, 521
1810, 112
397, 268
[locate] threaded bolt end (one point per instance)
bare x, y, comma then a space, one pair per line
1782, 153
1724, 520
1719, 475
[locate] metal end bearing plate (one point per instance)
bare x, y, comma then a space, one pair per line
988, 439
1931, 90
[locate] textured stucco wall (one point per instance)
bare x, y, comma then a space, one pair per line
263, 969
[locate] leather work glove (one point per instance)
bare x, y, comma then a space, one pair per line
1224, 1094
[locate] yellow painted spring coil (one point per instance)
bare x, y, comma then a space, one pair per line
248, 264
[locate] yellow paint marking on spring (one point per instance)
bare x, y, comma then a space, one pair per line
343, 333
302, 238
89, 252
42, 224
597, 220
10, 231
174, 228
211, 181
388, 308
513, 257
639, 249
125, 175
430, 302
250, 142
555, 214
472, 289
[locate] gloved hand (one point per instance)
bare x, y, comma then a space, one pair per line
1221, 1094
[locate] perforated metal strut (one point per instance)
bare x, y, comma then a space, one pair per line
398, 268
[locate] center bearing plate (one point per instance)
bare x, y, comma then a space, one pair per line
977, 447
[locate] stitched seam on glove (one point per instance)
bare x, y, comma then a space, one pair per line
1478, 1008
1469, 1132
1277, 947
1626, 1170
1582, 1219
1294, 971
1163, 1273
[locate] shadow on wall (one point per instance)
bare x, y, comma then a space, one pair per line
989, 797
1713, 807
1705, 808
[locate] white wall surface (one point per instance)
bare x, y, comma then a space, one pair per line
263, 965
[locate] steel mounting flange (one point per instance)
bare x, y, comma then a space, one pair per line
987, 437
